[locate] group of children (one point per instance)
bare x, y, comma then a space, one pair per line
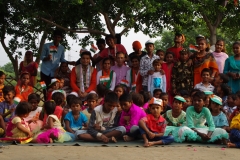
161, 99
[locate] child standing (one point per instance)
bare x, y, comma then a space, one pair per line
75, 120
219, 118
8, 107
152, 127
160, 53
197, 115
130, 116
166, 107
17, 128
33, 117
182, 74
2, 79
205, 85
145, 68
24, 89
220, 55
156, 80
232, 68
167, 68
103, 122
92, 102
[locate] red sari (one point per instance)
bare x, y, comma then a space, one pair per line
168, 73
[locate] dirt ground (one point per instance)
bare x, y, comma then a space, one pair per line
114, 153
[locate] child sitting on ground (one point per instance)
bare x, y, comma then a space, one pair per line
137, 99
7, 107
219, 118
2, 79
130, 116
218, 80
103, 122
223, 91
54, 85
230, 106
146, 98
17, 128
166, 107
75, 120
205, 85
92, 99
208, 94
152, 127
101, 91
188, 102
33, 117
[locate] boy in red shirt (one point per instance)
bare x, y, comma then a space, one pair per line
152, 127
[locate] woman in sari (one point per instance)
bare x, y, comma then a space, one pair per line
28, 65
107, 76
203, 59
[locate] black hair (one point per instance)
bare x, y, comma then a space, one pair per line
75, 100
111, 97
2, 73
194, 90
106, 59
49, 107
57, 33
120, 53
160, 50
23, 108
156, 61
100, 41
183, 92
156, 90
167, 53
109, 36
101, 90
184, 50
86, 53
225, 89
163, 94
134, 57
146, 96
92, 96
200, 95
137, 99
34, 96
7, 89
69, 98
120, 86
236, 43
25, 73
206, 70
205, 40
233, 96
126, 97
58, 98
224, 77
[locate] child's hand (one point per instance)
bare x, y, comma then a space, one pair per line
162, 72
150, 72
190, 62
204, 137
104, 138
97, 127
151, 135
30, 134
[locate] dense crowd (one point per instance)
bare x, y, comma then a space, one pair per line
183, 94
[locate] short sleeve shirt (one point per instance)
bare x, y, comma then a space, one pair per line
76, 124
220, 120
155, 125
4, 108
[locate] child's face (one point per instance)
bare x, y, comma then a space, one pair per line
237, 101
120, 59
236, 49
2, 79
207, 101
135, 63
165, 100
205, 76
217, 81
188, 101
157, 67
85, 60
25, 79
184, 57
107, 65
202, 45
215, 107
101, 46
169, 58
198, 104
149, 48
110, 42
34, 104
161, 55
157, 94
118, 91
9, 96
109, 106
177, 105
76, 108
61, 83
64, 67
230, 101
92, 103
55, 86
155, 110
219, 90
219, 46
126, 106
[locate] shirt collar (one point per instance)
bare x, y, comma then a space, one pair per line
161, 119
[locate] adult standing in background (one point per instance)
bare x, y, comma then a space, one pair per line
53, 53
137, 47
179, 39
101, 44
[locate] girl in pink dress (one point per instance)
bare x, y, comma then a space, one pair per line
220, 55
167, 68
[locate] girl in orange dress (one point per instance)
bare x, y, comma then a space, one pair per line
24, 89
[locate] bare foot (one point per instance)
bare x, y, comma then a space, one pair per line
50, 140
151, 143
146, 144
231, 145
113, 139
127, 138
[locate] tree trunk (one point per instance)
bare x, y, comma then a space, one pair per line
15, 67
213, 35
43, 39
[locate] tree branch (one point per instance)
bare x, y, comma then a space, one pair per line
116, 19
43, 39
219, 16
207, 21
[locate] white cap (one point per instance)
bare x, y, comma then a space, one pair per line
149, 42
